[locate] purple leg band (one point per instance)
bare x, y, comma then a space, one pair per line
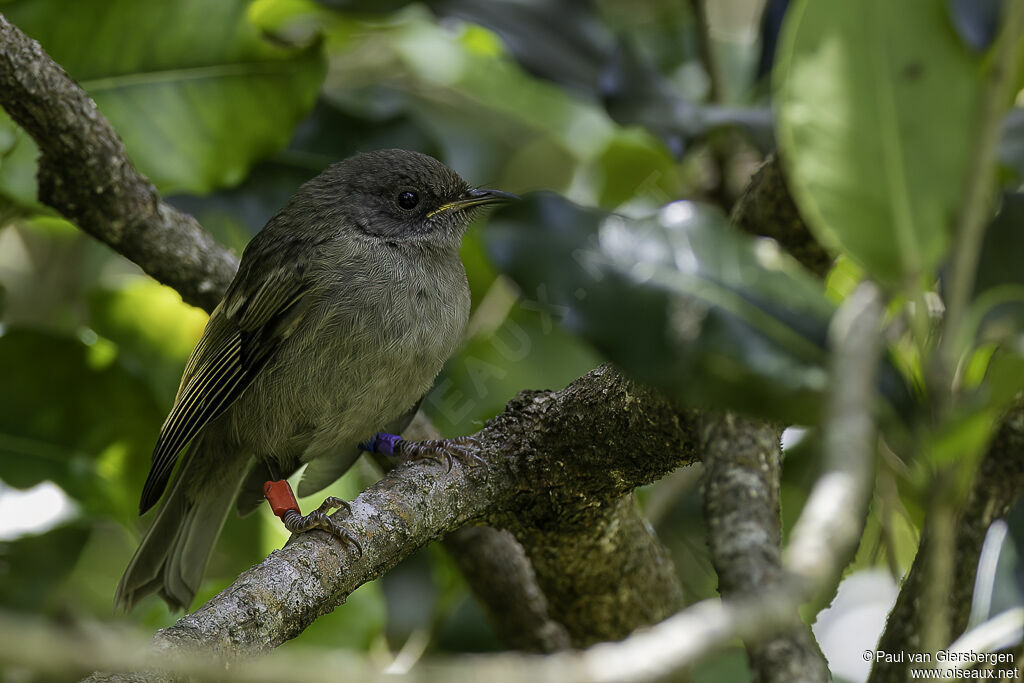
382, 444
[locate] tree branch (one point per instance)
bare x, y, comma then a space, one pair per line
85, 174
743, 462
538, 471
743, 466
766, 208
742, 507
603, 570
542, 471
501, 577
503, 580
832, 521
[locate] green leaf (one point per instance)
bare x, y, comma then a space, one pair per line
154, 330
680, 299
963, 436
492, 120
524, 351
72, 414
629, 165
875, 104
31, 567
189, 85
1011, 143
326, 135
997, 307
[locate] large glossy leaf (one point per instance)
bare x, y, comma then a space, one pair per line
875, 108
325, 136
681, 299
492, 122
634, 93
189, 85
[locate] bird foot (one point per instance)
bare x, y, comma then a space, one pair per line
465, 449
282, 502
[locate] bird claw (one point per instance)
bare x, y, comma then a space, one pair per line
465, 449
298, 523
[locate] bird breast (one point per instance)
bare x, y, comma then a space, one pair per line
370, 346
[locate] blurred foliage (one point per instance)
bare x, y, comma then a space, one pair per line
1011, 151
623, 123
681, 299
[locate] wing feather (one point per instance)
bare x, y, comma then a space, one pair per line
243, 333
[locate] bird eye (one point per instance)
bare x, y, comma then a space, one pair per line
408, 199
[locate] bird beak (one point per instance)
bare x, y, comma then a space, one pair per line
473, 198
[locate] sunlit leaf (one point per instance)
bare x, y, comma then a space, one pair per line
961, 439
154, 329
191, 88
875, 103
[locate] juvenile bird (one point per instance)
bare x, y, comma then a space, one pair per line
342, 312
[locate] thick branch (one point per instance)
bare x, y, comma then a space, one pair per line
85, 174
743, 466
501, 577
604, 571
539, 470
743, 461
766, 208
503, 580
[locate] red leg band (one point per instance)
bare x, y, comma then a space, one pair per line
279, 495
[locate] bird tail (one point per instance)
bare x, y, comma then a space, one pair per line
172, 557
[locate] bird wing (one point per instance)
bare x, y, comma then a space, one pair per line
243, 333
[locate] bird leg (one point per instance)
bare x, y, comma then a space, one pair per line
282, 502
465, 449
